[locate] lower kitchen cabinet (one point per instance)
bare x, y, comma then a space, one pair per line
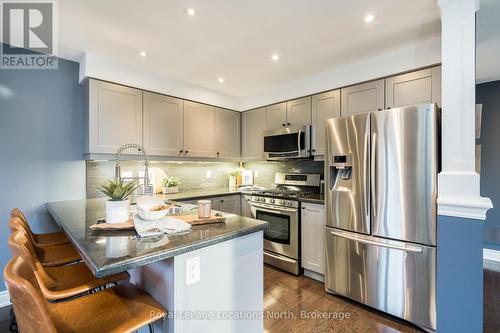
246, 209
313, 237
230, 204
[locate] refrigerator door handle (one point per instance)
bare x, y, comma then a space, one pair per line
406, 247
373, 167
366, 175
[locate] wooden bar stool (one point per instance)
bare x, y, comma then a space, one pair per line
40, 240
48, 256
120, 309
60, 282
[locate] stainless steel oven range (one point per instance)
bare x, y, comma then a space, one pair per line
280, 208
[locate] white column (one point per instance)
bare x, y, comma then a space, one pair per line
458, 188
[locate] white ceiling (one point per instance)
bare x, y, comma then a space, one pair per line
235, 39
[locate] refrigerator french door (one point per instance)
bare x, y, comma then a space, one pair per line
380, 172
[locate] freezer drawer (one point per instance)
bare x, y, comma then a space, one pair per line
394, 277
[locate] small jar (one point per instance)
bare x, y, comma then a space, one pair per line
204, 208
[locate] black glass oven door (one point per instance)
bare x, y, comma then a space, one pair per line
278, 230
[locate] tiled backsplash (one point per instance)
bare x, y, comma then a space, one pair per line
266, 170
193, 175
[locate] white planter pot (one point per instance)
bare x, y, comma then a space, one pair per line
232, 182
117, 211
170, 190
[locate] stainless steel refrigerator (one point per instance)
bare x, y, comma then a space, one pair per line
381, 178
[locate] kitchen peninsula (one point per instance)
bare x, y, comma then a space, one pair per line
203, 277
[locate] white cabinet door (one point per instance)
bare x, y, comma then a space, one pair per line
230, 204
114, 116
245, 205
313, 237
227, 133
163, 124
423, 86
253, 124
324, 106
363, 97
298, 112
276, 116
199, 125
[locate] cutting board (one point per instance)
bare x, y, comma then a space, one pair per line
113, 226
195, 220
191, 219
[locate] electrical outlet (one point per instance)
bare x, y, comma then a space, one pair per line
256, 173
192, 270
209, 174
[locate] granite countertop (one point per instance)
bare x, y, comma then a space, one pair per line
111, 252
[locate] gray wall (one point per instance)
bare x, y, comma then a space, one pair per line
488, 94
41, 140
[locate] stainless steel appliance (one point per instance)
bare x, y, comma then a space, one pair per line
287, 143
380, 174
280, 208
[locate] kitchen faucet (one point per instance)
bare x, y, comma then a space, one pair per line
147, 188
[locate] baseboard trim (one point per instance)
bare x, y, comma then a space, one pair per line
491, 255
4, 298
313, 275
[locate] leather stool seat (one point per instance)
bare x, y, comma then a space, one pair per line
48, 256
124, 308
41, 240
62, 281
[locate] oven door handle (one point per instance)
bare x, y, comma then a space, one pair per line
272, 209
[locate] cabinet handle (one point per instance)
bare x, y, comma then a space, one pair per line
218, 154
187, 151
388, 108
181, 151
222, 201
379, 110
313, 150
288, 124
303, 207
283, 124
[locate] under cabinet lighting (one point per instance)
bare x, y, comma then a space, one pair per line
369, 18
191, 12
143, 54
221, 80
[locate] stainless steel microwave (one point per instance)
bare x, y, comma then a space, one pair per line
287, 143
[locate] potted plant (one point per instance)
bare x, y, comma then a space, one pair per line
170, 185
117, 207
233, 178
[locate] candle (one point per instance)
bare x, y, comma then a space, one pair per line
204, 207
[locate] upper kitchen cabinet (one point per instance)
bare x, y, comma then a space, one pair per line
275, 116
294, 113
113, 116
363, 97
163, 124
423, 86
199, 126
324, 106
253, 124
298, 112
227, 133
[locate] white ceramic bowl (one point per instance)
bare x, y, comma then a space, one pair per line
152, 215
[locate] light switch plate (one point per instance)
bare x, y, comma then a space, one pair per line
209, 174
192, 270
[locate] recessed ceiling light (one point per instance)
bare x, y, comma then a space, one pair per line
221, 80
143, 54
191, 12
275, 57
369, 18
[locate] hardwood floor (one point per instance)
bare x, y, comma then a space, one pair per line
288, 295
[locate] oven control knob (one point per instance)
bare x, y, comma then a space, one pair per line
290, 203
282, 202
271, 200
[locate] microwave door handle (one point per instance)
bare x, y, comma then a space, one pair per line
298, 140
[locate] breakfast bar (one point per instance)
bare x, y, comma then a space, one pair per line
204, 277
